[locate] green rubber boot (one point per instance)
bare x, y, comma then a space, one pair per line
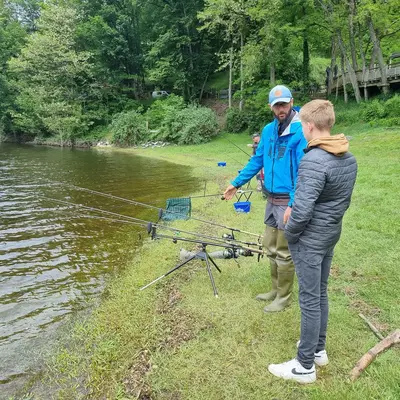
269, 244
274, 281
285, 276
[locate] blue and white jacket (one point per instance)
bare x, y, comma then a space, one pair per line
279, 156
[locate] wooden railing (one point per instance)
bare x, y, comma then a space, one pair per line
372, 76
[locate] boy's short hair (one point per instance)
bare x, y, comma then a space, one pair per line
320, 113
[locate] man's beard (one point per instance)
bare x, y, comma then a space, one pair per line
283, 116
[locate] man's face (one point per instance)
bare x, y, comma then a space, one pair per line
282, 110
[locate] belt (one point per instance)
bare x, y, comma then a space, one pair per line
278, 200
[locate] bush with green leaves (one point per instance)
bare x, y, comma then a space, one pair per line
162, 109
191, 125
128, 129
374, 110
236, 120
392, 107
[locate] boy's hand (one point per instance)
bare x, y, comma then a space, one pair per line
229, 192
286, 216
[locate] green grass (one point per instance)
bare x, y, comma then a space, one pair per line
174, 340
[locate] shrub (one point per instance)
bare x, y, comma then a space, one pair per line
236, 121
349, 113
374, 111
162, 109
128, 129
392, 107
191, 125
258, 119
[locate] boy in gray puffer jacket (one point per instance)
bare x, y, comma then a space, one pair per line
325, 183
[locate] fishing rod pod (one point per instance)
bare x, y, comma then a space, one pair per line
231, 249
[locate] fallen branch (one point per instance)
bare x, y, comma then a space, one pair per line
367, 358
373, 328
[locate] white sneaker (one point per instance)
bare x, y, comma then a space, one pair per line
320, 357
294, 371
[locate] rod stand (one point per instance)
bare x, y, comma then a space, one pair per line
203, 255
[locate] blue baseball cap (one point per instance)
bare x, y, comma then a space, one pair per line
280, 94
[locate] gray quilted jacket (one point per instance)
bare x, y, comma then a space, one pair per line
323, 192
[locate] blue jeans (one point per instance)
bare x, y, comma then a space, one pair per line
312, 269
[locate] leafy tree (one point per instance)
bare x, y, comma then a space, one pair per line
52, 79
112, 32
12, 37
178, 55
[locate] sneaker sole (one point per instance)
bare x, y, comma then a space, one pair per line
303, 381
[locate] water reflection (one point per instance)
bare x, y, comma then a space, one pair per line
53, 259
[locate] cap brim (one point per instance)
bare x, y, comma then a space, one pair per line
281, 100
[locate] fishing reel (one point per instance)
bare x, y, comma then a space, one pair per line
152, 230
226, 254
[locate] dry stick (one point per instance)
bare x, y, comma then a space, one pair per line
370, 356
372, 327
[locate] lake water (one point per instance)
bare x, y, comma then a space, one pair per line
54, 257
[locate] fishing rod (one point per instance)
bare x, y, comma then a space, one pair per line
148, 224
156, 235
160, 210
231, 248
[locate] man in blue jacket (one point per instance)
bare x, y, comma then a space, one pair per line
279, 153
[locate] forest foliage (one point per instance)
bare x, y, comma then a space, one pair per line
71, 68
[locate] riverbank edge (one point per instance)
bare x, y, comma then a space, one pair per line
165, 299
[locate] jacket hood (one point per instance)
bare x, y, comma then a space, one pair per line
295, 131
337, 144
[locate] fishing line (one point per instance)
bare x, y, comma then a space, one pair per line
111, 196
144, 223
245, 152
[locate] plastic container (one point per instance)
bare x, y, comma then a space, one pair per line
242, 206
222, 164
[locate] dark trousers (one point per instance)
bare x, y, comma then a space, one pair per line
312, 269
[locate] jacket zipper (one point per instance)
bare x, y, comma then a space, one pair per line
291, 168
273, 158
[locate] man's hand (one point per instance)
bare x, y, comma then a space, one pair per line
286, 216
229, 192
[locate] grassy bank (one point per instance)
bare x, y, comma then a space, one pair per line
174, 340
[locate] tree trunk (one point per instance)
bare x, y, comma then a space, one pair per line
352, 10
378, 51
241, 103
203, 86
364, 63
333, 63
337, 88
352, 74
343, 78
271, 66
306, 62
230, 77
